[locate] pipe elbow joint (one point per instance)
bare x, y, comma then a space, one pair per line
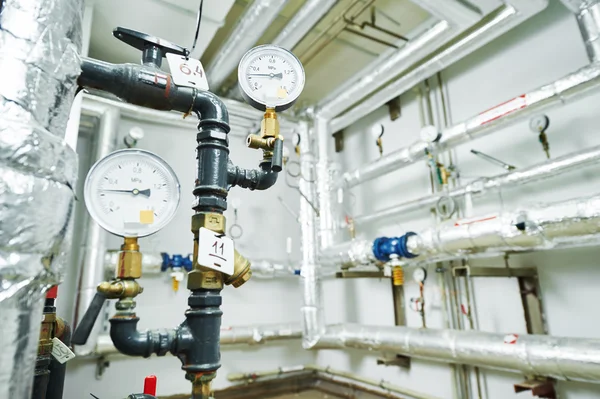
129, 341
252, 179
210, 108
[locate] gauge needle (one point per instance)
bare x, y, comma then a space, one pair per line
135, 191
268, 75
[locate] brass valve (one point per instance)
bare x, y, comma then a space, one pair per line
119, 289
269, 140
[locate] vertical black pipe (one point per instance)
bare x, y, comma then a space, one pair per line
56, 383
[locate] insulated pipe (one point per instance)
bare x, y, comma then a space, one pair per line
453, 11
303, 21
587, 13
480, 186
491, 26
256, 19
536, 355
571, 87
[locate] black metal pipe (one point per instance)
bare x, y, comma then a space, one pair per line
253, 179
129, 341
58, 370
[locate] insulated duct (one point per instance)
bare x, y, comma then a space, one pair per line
587, 13
252, 25
534, 355
564, 90
39, 44
303, 21
480, 186
491, 26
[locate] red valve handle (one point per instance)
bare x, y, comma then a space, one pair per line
150, 385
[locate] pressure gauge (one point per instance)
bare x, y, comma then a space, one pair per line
419, 275
296, 139
377, 130
430, 134
132, 193
539, 123
270, 77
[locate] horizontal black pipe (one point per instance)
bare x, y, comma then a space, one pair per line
129, 341
253, 179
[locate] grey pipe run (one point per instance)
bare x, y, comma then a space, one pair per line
587, 13
536, 355
564, 90
533, 173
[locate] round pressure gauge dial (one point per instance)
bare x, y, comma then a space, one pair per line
430, 134
270, 77
132, 193
419, 275
296, 139
539, 123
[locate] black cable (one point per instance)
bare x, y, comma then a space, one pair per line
198, 20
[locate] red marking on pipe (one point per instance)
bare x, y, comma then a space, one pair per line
463, 309
52, 292
168, 89
503, 109
121, 264
511, 339
150, 385
226, 328
466, 222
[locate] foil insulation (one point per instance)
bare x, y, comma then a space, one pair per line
566, 89
481, 186
491, 26
588, 19
256, 19
303, 21
539, 227
349, 254
39, 42
536, 355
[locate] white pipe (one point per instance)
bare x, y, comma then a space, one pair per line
480, 186
452, 11
534, 355
587, 13
252, 25
303, 21
566, 89
491, 26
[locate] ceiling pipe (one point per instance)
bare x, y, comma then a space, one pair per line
252, 25
587, 13
452, 11
540, 171
571, 87
303, 21
536, 355
499, 21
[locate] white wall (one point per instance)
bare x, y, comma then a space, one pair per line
540, 51
266, 225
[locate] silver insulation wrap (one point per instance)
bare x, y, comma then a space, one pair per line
254, 22
563, 224
588, 19
303, 21
517, 177
349, 254
539, 355
568, 88
493, 25
39, 44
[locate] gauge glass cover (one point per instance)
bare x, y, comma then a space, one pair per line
132, 193
270, 77
419, 275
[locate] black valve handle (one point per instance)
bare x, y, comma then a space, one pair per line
153, 48
84, 329
277, 160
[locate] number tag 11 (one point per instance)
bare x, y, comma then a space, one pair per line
189, 73
215, 251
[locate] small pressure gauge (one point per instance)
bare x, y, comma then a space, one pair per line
132, 193
296, 139
419, 275
377, 130
539, 123
270, 76
430, 134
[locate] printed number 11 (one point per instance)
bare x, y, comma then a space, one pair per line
216, 246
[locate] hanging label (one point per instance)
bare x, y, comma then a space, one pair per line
188, 73
503, 109
215, 251
60, 351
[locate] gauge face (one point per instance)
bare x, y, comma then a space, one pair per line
539, 123
429, 134
270, 77
419, 275
132, 193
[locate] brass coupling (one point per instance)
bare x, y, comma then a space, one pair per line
260, 143
119, 289
129, 264
269, 126
241, 271
200, 276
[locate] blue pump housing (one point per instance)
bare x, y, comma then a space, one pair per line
176, 261
384, 247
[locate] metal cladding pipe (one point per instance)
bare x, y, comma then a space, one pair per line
536, 172
39, 45
587, 13
538, 355
303, 21
571, 87
491, 26
256, 19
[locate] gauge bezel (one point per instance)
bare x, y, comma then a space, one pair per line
146, 155
282, 52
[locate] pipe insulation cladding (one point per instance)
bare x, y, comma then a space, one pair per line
39, 45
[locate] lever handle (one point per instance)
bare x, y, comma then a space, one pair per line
153, 48
277, 161
83, 330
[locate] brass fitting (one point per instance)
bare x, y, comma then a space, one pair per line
120, 289
205, 278
129, 264
397, 276
46, 334
241, 271
211, 221
260, 143
269, 126
202, 277
269, 133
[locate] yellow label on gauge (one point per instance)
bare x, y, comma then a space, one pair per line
281, 93
146, 216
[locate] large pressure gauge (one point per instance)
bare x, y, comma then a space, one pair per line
270, 77
132, 193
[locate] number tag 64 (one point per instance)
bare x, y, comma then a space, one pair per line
188, 73
215, 251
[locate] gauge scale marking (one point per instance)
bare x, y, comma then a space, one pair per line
132, 193
270, 77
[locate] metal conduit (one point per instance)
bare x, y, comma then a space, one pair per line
536, 172
566, 89
537, 355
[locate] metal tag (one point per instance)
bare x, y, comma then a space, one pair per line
215, 251
60, 351
189, 73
